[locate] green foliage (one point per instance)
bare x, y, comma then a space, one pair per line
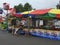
3, 25
21, 8
27, 7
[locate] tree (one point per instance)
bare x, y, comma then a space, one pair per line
58, 5
19, 8
16, 8
27, 7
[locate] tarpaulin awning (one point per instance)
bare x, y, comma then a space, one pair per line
31, 16
25, 15
46, 16
42, 11
17, 14
27, 12
57, 15
54, 11
28, 15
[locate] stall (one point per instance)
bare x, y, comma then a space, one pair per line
52, 18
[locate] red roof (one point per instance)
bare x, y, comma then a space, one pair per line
42, 11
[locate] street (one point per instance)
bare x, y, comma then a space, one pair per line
8, 39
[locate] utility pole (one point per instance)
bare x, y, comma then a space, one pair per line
58, 5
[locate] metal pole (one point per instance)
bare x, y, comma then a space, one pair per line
7, 19
28, 23
28, 18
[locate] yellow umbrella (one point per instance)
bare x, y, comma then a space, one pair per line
54, 11
26, 12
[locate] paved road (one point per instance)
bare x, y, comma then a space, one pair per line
8, 39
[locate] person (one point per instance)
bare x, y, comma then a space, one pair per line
20, 30
13, 24
13, 30
9, 29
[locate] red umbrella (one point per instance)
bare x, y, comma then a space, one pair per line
42, 11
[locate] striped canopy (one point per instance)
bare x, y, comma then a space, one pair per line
54, 11
17, 15
46, 16
27, 12
57, 15
41, 11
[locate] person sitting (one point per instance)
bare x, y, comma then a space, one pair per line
20, 30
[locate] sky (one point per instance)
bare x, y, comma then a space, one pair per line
38, 4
